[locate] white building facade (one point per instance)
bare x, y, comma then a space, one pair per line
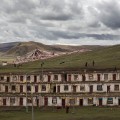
61, 88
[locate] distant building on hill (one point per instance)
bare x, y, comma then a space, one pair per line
4, 63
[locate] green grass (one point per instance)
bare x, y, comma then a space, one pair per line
104, 59
83, 113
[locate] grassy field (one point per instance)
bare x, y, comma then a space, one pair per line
83, 113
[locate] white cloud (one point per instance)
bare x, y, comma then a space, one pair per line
65, 21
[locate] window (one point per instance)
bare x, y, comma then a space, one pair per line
90, 100
90, 76
14, 78
72, 101
69, 78
43, 88
65, 87
110, 101
1, 78
99, 88
21, 78
54, 100
29, 100
28, 88
116, 87
105, 76
55, 77
75, 77
8, 79
35, 78
12, 100
28, 78
13, 88
82, 88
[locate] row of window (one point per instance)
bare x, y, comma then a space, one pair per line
64, 77
57, 88
54, 101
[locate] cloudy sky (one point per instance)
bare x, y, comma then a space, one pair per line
75, 22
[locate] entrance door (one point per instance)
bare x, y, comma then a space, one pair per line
37, 102
21, 101
108, 88
4, 101
36, 88
46, 101
58, 89
91, 88
54, 89
114, 76
21, 88
98, 77
118, 101
69, 78
100, 102
81, 102
49, 77
83, 78
74, 88
63, 103
6, 88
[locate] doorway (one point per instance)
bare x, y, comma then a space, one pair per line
21, 88
21, 101
100, 102
46, 101
58, 89
80, 102
63, 103
49, 78
98, 77
4, 101
91, 88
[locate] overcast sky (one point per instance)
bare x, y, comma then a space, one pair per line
77, 22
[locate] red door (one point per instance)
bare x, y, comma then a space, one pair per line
49, 77
63, 103
21, 101
100, 102
91, 88
35, 79
21, 88
46, 101
74, 88
69, 78
114, 76
4, 101
98, 77
83, 78
36, 88
58, 89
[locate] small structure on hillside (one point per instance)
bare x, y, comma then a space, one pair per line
36, 54
4, 63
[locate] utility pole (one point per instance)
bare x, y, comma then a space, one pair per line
26, 96
32, 105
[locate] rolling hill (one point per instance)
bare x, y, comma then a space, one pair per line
106, 58
22, 48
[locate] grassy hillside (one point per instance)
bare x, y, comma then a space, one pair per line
104, 58
25, 47
22, 48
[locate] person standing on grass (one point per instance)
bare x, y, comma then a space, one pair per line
67, 109
86, 64
93, 63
